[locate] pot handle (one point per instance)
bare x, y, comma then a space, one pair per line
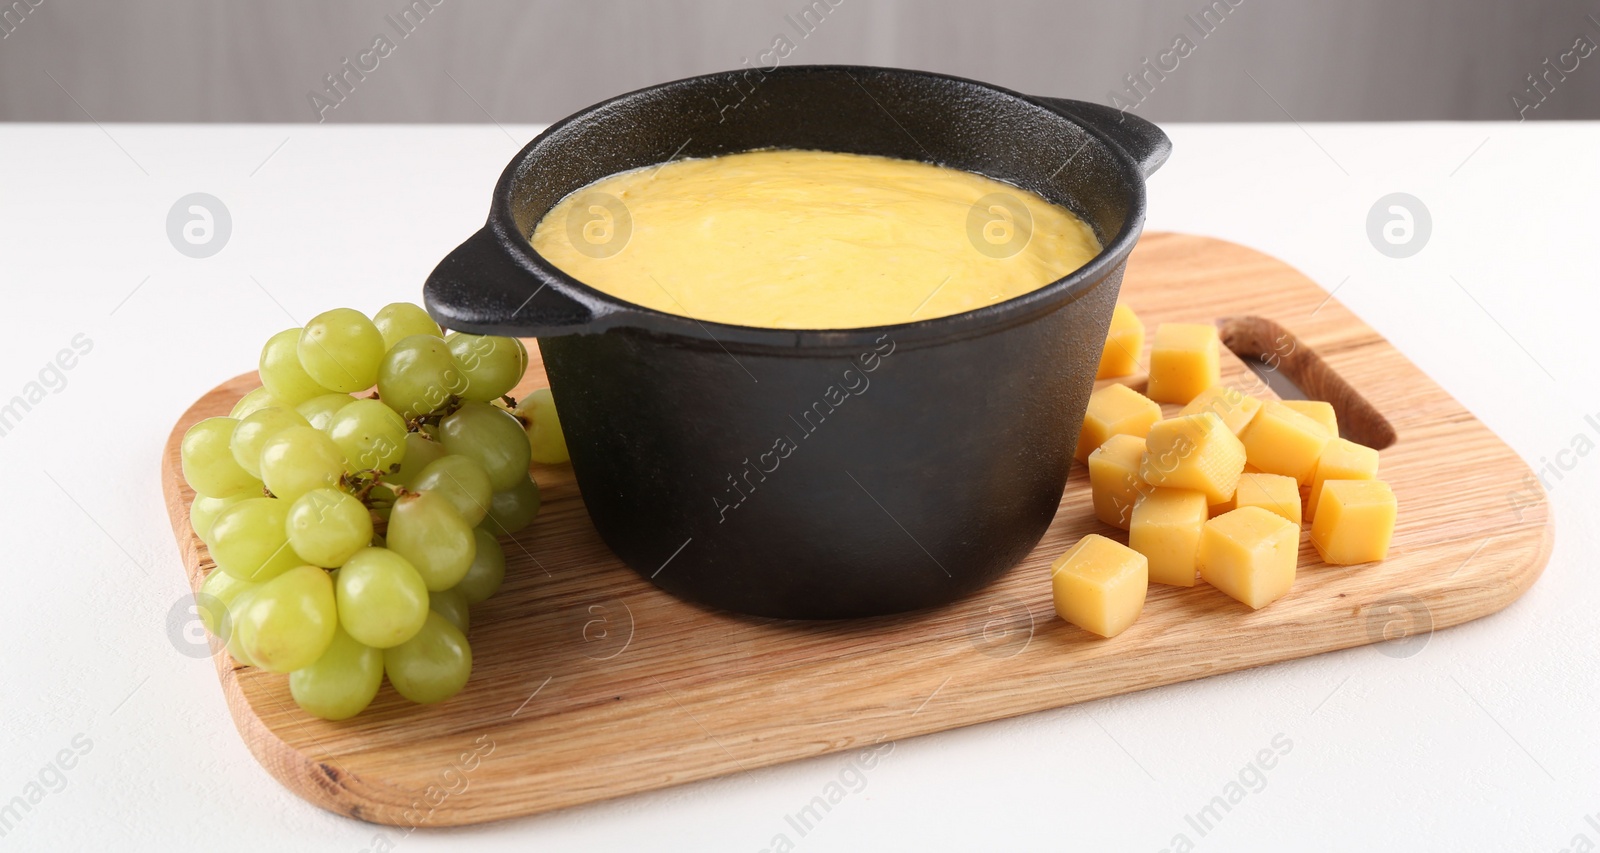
1142, 140
483, 288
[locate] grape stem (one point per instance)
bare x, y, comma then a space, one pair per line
361, 483
511, 408
433, 418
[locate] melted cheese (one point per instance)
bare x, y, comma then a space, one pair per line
811, 239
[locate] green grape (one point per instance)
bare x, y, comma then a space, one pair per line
319, 410
460, 480
432, 666
452, 605
492, 365
252, 433
492, 436
545, 439
215, 603
488, 569
203, 512
208, 464
426, 530
419, 376
400, 320
327, 526
341, 349
421, 452
380, 499
341, 683
514, 509
299, 459
285, 379
249, 403
240, 601
382, 600
289, 621
370, 435
248, 540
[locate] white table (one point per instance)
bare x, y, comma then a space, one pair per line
1485, 739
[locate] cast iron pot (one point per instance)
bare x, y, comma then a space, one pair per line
819, 473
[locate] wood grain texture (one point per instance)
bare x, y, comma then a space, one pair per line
590, 683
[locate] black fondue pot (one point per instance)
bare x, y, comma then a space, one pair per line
815, 473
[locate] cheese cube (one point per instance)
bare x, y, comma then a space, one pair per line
1193, 452
1185, 359
1355, 521
1099, 585
1235, 407
1318, 411
1274, 493
1124, 343
1115, 410
1114, 482
1341, 460
1282, 441
1166, 529
1249, 554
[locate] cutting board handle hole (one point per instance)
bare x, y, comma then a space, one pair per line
1294, 371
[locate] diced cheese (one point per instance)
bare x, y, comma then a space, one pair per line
1355, 521
1114, 482
1166, 530
1100, 585
1195, 452
1185, 359
1235, 407
1274, 493
1341, 460
1319, 411
1124, 343
1282, 441
1115, 410
1250, 554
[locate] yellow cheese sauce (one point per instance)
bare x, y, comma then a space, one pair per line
811, 239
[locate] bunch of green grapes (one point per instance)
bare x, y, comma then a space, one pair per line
352, 531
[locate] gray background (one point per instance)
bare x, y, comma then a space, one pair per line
203, 60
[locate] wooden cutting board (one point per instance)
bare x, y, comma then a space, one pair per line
589, 683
